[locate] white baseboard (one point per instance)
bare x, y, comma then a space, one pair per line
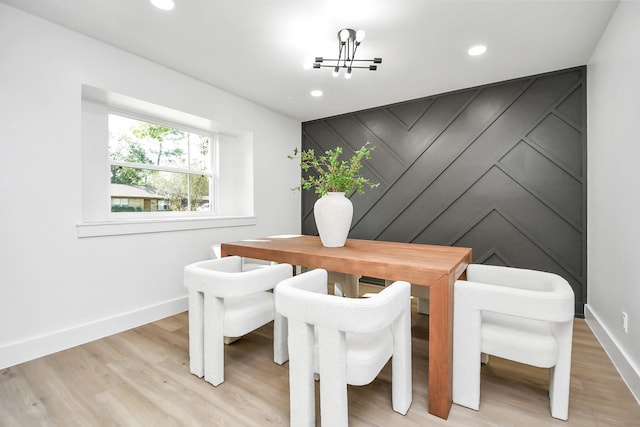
35, 347
629, 374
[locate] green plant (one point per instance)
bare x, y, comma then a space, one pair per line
328, 173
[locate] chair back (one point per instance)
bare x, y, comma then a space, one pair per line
304, 298
530, 294
220, 277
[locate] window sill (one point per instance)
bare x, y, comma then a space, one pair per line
142, 226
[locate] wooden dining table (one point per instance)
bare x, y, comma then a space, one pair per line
434, 266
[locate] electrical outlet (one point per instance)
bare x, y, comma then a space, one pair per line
625, 322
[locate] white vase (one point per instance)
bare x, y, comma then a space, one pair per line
333, 213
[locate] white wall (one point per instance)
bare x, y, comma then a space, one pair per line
613, 187
58, 290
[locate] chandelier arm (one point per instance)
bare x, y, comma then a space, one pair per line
355, 60
340, 49
353, 55
342, 66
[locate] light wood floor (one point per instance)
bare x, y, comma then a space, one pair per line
141, 378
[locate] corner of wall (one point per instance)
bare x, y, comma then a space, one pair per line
629, 373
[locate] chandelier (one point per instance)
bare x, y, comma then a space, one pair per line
348, 42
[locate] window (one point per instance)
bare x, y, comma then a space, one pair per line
158, 168
198, 176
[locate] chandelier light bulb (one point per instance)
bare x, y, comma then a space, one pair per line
347, 75
360, 35
344, 35
336, 72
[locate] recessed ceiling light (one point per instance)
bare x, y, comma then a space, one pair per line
477, 50
163, 4
316, 93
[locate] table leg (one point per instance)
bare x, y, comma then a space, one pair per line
441, 346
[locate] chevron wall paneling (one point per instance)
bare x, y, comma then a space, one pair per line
498, 168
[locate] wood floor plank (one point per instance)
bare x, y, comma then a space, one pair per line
27, 408
141, 378
66, 403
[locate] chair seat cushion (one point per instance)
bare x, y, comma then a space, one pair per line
244, 314
366, 355
522, 340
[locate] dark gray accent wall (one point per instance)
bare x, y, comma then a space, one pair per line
499, 168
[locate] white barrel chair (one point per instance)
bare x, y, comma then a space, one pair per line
345, 341
516, 314
227, 301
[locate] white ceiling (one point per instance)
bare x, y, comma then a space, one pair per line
255, 48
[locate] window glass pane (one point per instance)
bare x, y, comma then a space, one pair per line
130, 176
200, 201
199, 146
173, 186
154, 191
141, 142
